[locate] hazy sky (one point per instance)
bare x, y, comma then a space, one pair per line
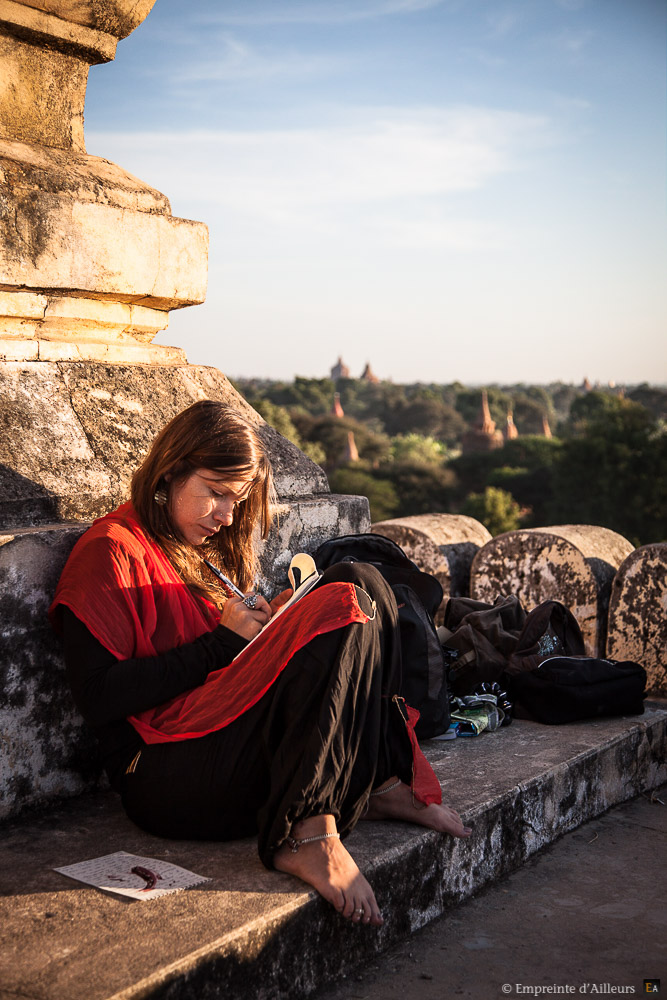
449, 189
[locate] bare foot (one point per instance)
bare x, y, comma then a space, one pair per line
330, 869
397, 803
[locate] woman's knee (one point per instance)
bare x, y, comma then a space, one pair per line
362, 575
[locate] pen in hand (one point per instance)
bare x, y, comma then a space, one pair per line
250, 600
224, 579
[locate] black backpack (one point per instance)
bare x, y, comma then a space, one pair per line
418, 596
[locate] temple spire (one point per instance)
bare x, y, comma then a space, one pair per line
510, 428
337, 408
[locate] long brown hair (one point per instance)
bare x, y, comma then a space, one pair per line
208, 435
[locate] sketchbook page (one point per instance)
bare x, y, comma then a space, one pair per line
306, 586
131, 875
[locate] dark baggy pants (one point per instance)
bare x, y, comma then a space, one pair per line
324, 734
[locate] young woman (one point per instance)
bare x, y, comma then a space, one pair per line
295, 738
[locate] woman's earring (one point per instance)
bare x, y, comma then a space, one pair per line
160, 497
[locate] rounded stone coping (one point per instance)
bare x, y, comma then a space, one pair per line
592, 541
574, 564
637, 627
441, 544
417, 546
444, 529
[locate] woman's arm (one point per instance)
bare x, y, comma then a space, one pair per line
106, 689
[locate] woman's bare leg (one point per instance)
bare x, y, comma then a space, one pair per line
398, 803
330, 869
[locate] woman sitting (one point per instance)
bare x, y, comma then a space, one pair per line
296, 738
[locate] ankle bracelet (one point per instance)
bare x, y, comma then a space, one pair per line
389, 788
294, 845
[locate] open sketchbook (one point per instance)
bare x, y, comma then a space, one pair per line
303, 576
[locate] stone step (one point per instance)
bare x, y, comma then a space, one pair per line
251, 932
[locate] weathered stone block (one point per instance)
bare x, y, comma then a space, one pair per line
441, 544
574, 564
153, 260
99, 249
46, 752
302, 525
638, 614
73, 433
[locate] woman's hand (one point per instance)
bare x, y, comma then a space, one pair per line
245, 621
280, 599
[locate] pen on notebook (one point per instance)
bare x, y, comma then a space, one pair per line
225, 579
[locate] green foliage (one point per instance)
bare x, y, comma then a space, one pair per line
529, 413
417, 450
612, 471
331, 433
421, 489
607, 466
357, 482
423, 415
652, 397
525, 467
495, 508
280, 419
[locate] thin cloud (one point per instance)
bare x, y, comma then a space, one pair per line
573, 41
237, 62
390, 154
342, 12
388, 178
502, 22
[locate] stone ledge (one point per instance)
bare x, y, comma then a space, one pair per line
250, 932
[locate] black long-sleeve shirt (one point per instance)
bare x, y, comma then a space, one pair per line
106, 690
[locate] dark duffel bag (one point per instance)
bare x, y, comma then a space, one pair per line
569, 688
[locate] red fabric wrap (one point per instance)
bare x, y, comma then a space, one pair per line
228, 692
425, 786
121, 585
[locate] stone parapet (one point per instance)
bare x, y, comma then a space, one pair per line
638, 614
442, 544
574, 564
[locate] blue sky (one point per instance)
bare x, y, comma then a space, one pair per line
449, 189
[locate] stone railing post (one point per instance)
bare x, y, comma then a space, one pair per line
443, 545
638, 614
571, 563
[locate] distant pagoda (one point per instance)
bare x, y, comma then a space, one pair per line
510, 427
483, 435
368, 375
337, 408
350, 452
340, 370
